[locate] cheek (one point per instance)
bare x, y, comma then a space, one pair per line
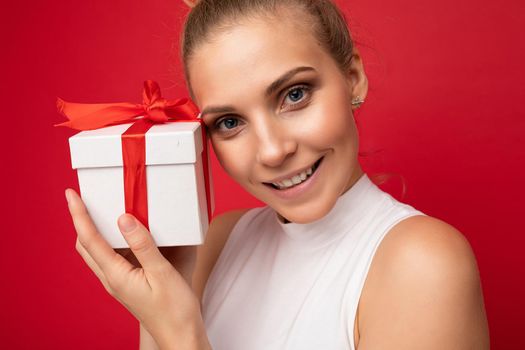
236, 164
330, 124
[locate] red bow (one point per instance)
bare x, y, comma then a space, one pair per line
83, 116
153, 110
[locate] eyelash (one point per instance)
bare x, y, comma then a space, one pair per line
305, 87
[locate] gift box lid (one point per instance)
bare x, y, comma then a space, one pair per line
169, 143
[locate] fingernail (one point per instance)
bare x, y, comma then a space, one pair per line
127, 223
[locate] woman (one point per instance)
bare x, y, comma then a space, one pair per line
332, 262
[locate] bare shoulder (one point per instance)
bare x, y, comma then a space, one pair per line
423, 291
208, 253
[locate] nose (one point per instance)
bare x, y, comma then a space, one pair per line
275, 141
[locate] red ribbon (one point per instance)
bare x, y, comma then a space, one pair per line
153, 110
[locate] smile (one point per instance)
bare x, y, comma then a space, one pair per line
296, 179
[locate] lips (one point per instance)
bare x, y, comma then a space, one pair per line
295, 179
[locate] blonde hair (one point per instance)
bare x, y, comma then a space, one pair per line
209, 17
329, 25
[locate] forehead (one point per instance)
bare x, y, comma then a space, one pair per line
251, 54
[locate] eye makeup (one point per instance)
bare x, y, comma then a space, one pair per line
307, 86
307, 91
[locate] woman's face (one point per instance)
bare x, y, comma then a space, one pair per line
278, 111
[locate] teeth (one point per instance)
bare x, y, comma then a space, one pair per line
295, 180
287, 182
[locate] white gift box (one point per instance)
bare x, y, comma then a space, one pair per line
177, 209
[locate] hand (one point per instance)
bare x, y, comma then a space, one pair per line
155, 293
191, 3
182, 258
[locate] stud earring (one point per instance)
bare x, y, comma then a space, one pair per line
357, 102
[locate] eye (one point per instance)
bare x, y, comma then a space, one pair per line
226, 124
296, 95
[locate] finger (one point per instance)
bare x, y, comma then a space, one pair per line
88, 260
191, 3
128, 255
94, 244
92, 264
141, 243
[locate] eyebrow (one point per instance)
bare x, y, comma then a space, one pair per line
269, 90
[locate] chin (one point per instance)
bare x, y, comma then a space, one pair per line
314, 208
308, 213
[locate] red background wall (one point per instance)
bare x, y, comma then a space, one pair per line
445, 111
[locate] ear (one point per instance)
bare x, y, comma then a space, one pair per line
357, 79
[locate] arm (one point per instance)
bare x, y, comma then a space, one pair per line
146, 340
423, 291
208, 253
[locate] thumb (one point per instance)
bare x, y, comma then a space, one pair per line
141, 242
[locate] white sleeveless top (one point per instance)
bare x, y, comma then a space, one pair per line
297, 286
